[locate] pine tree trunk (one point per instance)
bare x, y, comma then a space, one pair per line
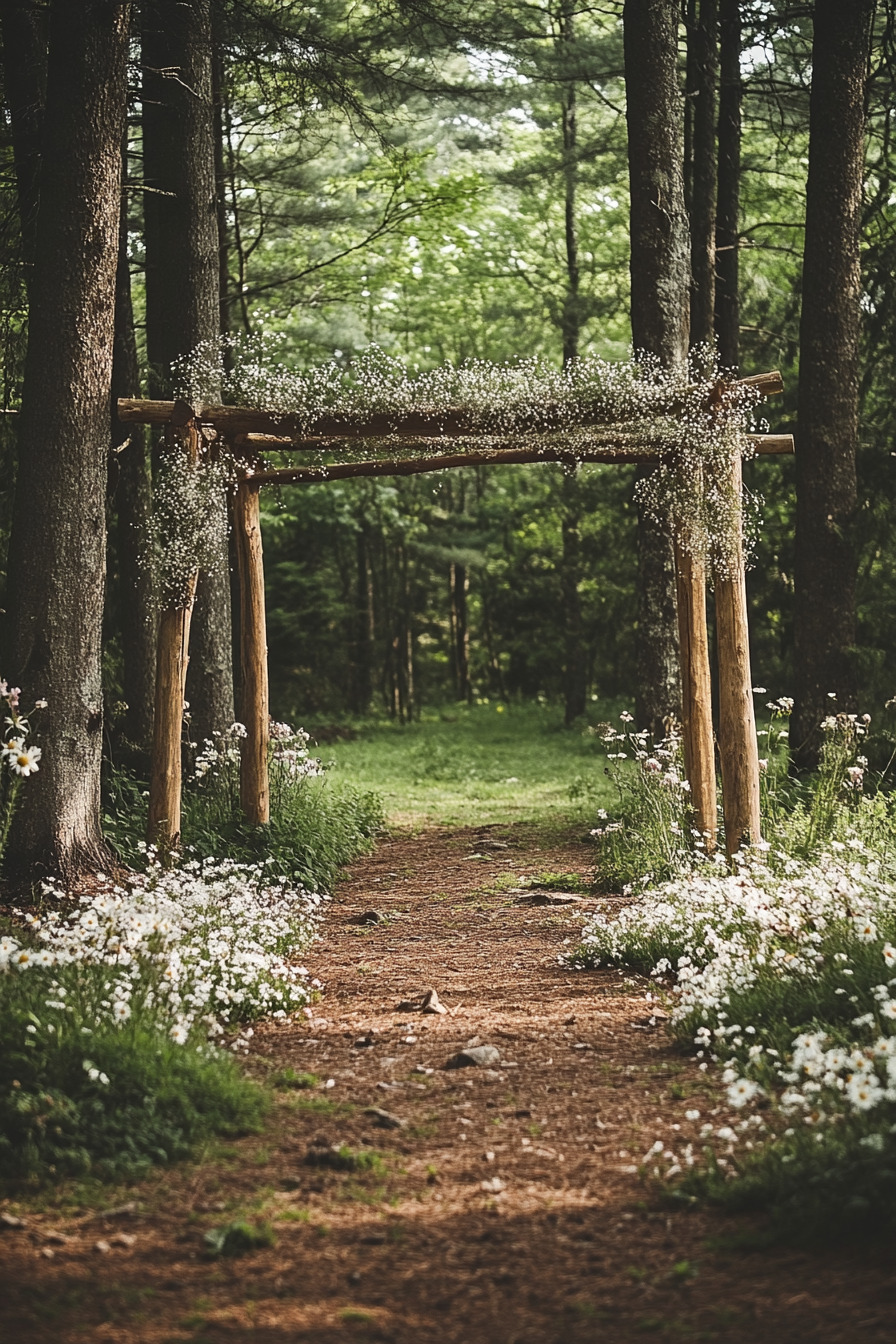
132, 501
570, 577
24, 28
182, 279
727, 314
703, 61
827, 412
661, 277
575, 661
460, 584
363, 622
58, 548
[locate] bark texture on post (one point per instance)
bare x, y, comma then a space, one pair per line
827, 412
165, 782
255, 793
699, 749
58, 547
182, 279
661, 278
172, 661
727, 315
738, 748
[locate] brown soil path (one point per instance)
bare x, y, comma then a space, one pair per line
507, 1208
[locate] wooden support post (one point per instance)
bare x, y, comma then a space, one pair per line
172, 657
165, 782
738, 746
255, 796
696, 688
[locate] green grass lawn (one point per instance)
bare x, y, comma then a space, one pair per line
476, 765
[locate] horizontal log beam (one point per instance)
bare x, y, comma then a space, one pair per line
233, 421
339, 471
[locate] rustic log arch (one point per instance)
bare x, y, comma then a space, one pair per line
247, 433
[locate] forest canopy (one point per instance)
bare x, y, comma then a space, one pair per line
440, 184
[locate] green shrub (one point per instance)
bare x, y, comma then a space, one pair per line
650, 837
782, 974
111, 1101
314, 831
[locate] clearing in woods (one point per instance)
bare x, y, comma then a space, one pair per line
507, 1206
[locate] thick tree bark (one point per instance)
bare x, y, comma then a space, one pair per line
182, 282
58, 548
727, 270
703, 64
825, 567
218, 96
661, 278
24, 28
132, 501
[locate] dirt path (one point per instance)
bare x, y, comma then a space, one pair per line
507, 1205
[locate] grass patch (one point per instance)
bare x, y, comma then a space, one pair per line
475, 766
239, 1238
288, 1079
161, 1100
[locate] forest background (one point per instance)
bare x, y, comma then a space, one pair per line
453, 185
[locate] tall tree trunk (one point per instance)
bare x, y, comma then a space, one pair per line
24, 28
460, 584
827, 413
362, 672
219, 94
132, 500
703, 62
572, 318
575, 669
182, 270
727, 314
661, 278
570, 576
58, 548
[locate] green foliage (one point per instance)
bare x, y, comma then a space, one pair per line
650, 837
315, 828
106, 1099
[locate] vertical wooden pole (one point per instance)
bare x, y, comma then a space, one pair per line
255, 797
738, 747
172, 657
165, 782
696, 687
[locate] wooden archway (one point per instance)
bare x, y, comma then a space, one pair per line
248, 433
